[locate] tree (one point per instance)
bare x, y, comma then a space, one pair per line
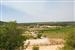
10, 36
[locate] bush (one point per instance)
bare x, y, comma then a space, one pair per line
67, 48
35, 48
70, 42
10, 36
39, 35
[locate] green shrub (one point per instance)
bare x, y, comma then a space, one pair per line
70, 42
11, 36
67, 48
39, 35
35, 48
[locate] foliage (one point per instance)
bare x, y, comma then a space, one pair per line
70, 40
10, 36
66, 48
35, 48
39, 35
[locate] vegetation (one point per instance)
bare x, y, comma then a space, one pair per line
70, 42
47, 23
58, 32
39, 35
35, 48
10, 36
70, 39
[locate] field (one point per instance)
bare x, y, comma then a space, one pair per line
58, 32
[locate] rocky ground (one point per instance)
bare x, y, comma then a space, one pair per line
46, 44
49, 47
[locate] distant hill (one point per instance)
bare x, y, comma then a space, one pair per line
1, 22
49, 23
44, 23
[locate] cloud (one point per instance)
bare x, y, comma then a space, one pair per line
43, 11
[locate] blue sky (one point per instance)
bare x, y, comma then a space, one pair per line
37, 11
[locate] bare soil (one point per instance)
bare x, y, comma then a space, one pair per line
49, 47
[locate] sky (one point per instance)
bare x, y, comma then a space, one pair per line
37, 11
37, 0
